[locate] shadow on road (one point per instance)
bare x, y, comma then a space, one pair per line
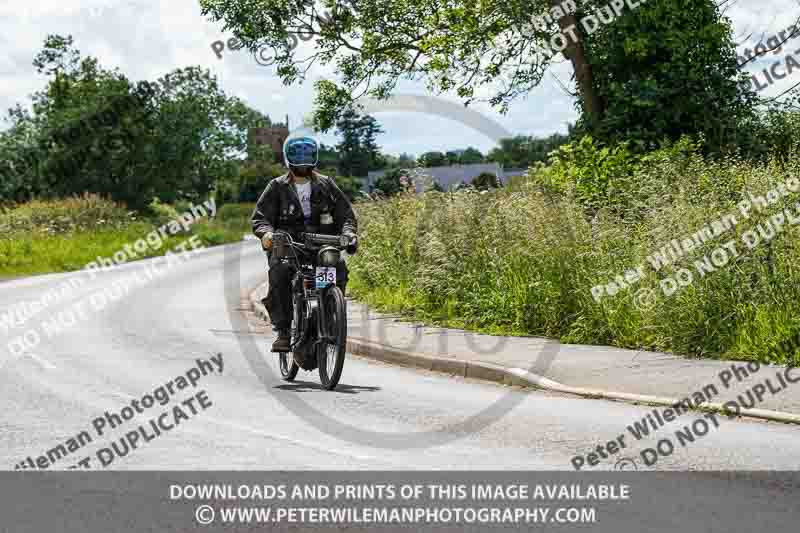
308, 386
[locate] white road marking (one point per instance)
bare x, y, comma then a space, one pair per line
47, 365
296, 442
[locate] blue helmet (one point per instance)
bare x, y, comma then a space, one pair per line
300, 152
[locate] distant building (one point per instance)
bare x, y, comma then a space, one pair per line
513, 172
450, 176
273, 136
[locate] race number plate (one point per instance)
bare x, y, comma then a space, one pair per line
325, 276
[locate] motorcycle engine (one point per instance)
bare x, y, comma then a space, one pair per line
305, 354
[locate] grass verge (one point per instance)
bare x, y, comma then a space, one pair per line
65, 235
525, 261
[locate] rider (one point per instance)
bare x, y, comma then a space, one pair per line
302, 200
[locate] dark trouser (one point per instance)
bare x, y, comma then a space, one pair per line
279, 300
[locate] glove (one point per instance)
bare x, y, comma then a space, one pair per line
352, 248
266, 241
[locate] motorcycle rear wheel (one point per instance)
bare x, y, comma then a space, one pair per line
286, 362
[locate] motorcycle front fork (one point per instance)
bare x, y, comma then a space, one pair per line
322, 317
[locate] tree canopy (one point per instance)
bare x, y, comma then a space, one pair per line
93, 130
655, 70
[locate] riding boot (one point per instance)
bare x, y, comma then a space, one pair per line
282, 343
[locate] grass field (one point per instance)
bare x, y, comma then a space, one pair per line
66, 235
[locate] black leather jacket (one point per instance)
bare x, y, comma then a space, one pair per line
279, 208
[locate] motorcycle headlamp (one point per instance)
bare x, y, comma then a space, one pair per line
328, 256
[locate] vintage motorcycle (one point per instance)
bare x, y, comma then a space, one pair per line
319, 323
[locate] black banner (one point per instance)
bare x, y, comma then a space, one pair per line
616, 502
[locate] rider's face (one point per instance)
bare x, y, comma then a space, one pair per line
302, 172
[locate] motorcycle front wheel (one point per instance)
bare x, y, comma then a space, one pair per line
287, 365
330, 355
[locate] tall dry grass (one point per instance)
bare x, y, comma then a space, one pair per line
524, 260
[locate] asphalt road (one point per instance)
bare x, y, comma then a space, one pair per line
381, 417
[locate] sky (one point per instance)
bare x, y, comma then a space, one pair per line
146, 39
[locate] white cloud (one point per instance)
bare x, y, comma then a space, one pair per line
146, 39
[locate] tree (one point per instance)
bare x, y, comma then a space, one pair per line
485, 181
328, 156
93, 130
88, 130
370, 129
358, 152
252, 179
404, 160
471, 156
666, 69
631, 73
433, 159
390, 182
522, 151
353, 160
452, 157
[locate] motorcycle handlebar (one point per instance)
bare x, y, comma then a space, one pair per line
318, 238
306, 239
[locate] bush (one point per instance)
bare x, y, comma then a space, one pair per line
485, 181
79, 213
390, 183
161, 213
236, 212
591, 172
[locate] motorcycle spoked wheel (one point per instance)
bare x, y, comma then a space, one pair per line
288, 366
286, 360
330, 355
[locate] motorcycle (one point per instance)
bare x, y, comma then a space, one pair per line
319, 322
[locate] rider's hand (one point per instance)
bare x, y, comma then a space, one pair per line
266, 241
353, 246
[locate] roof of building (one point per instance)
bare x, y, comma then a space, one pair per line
448, 176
